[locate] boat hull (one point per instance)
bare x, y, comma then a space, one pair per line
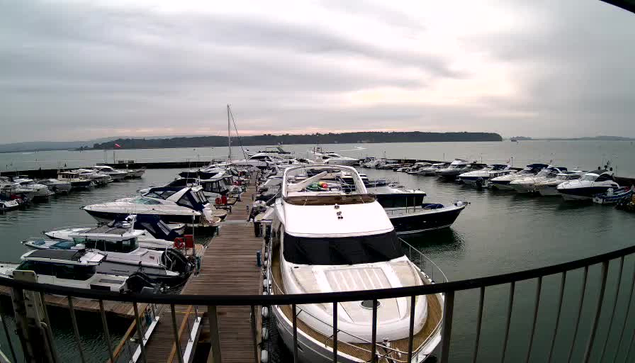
582, 193
548, 191
107, 217
425, 220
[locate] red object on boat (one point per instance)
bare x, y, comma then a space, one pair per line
224, 199
178, 243
189, 241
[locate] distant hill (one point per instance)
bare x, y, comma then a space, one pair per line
287, 139
49, 145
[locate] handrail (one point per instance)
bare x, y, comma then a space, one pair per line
318, 298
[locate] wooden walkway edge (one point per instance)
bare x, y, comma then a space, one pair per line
228, 268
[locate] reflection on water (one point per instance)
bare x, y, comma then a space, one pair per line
437, 240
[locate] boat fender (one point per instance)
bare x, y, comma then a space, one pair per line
265, 334
264, 356
265, 292
265, 312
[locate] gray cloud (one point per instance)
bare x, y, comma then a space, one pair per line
67, 66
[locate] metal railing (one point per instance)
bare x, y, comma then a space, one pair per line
586, 341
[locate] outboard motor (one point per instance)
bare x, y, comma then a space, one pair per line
139, 281
176, 261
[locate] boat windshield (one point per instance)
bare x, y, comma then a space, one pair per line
123, 246
144, 200
342, 250
589, 177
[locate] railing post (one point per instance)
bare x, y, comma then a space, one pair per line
76, 328
577, 321
598, 312
140, 334
175, 330
411, 328
254, 333
479, 321
373, 348
104, 323
212, 315
510, 308
448, 312
295, 333
335, 304
535, 318
617, 295
563, 281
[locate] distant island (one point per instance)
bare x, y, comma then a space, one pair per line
288, 139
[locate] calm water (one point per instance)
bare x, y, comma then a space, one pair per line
497, 233
583, 154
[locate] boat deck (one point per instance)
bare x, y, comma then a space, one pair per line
363, 351
229, 268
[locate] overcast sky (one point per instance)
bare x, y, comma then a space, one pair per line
75, 70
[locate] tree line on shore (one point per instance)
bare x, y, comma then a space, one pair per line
289, 139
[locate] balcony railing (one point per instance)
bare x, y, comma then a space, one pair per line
586, 342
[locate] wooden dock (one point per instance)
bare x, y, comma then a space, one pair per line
228, 268
112, 308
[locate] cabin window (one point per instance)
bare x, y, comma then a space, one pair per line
38, 268
74, 272
185, 201
343, 250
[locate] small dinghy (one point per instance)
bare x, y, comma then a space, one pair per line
612, 196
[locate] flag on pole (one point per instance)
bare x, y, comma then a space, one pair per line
117, 145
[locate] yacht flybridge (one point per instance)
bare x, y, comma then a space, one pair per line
326, 238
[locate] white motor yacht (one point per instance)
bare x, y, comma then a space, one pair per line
417, 167
57, 186
550, 187
77, 180
154, 233
99, 179
67, 268
528, 184
187, 205
353, 247
480, 177
589, 185
30, 187
123, 254
116, 175
332, 158
432, 169
502, 182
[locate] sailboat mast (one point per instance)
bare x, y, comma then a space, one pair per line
229, 136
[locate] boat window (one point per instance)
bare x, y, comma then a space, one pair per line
604, 177
143, 200
161, 194
74, 272
400, 200
589, 177
38, 268
178, 183
127, 245
185, 201
343, 250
